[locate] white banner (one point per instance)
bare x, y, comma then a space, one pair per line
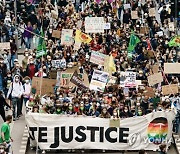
62, 132
94, 25
99, 80
97, 58
128, 79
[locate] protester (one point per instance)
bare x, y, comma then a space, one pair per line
5, 138
14, 94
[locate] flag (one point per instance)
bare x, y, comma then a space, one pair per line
82, 37
109, 65
174, 42
41, 49
134, 40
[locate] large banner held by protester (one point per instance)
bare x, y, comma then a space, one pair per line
99, 80
97, 58
94, 25
135, 133
128, 79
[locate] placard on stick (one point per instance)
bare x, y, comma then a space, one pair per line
155, 78
170, 89
56, 34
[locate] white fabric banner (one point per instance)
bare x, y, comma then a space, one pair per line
62, 132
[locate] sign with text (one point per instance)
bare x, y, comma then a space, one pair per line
94, 25
99, 80
61, 63
155, 78
66, 37
134, 15
128, 79
97, 58
172, 68
46, 86
170, 89
147, 132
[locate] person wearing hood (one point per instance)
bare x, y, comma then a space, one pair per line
14, 93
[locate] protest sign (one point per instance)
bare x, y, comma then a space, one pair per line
127, 6
99, 80
128, 79
152, 12
51, 132
155, 78
77, 45
107, 26
54, 14
5, 45
134, 15
79, 24
114, 122
46, 86
144, 30
56, 34
138, 83
155, 69
97, 58
77, 80
160, 33
112, 80
149, 92
94, 25
170, 89
65, 79
171, 26
53, 74
149, 53
172, 68
61, 63
66, 37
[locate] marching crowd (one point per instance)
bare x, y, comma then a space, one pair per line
115, 101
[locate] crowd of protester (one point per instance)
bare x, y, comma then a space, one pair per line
16, 79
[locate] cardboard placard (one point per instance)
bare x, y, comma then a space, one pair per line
152, 12
54, 14
170, 89
149, 92
155, 78
172, 68
5, 45
46, 85
53, 74
144, 30
155, 69
134, 15
149, 53
107, 26
56, 34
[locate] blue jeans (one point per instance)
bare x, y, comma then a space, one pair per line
16, 103
28, 42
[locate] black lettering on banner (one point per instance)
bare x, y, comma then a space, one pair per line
42, 134
32, 129
63, 134
101, 136
107, 134
80, 133
92, 130
56, 138
122, 135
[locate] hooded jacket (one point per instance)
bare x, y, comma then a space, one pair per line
16, 88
